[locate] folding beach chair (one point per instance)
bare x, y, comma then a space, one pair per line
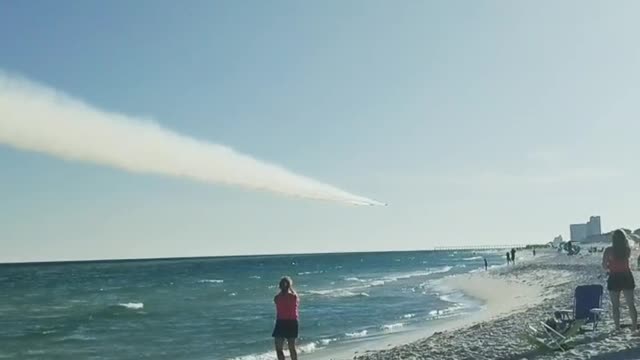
556, 333
587, 306
551, 339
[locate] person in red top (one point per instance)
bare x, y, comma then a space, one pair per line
287, 303
615, 261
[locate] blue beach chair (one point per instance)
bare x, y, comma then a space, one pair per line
587, 306
557, 333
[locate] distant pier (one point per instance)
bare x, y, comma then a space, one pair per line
483, 247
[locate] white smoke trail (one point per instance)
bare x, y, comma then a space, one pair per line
36, 118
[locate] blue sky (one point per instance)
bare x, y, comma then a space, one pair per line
477, 121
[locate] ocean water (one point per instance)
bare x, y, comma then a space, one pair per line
222, 308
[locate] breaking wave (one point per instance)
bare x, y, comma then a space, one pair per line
132, 306
357, 334
473, 258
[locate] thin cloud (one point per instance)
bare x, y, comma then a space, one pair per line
541, 178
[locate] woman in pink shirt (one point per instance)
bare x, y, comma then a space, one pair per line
615, 261
286, 327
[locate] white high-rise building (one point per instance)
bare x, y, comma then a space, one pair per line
594, 226
580, 232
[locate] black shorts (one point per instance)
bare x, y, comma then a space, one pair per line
287, 329
621, 281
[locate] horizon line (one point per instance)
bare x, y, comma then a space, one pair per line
170, 258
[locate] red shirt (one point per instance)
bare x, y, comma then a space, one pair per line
287, 306
617, 265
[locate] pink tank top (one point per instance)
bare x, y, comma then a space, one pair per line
287, 306
617, 265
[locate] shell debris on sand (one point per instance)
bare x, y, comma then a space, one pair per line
503, 336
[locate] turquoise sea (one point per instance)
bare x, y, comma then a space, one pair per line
221, 308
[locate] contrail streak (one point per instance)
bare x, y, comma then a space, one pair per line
36, 118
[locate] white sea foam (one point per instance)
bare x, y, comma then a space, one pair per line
452, 297
389, 327
473, 258
264, 356
310, 272
443, 269
451, 310
481, 269
255, 277
79, 337
321, 292
307, 348
408, 316
409, 275
211, 281
337, 293
369, 283
271, 355
132, 306
357, 334
325, 342
446, 311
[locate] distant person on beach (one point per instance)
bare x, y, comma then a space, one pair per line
513, 256
615, 261
534, 251
486, 266
508, 258
287, 303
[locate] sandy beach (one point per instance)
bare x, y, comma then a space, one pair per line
516, 297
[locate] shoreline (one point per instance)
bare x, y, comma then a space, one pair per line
486, 287
535, 289
500, 296
505, 291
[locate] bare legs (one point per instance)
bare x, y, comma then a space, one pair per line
279, 351
292, 348
279, 342
615, 308
628, 296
